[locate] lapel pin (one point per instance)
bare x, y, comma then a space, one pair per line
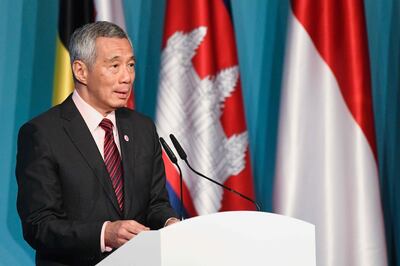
126, 138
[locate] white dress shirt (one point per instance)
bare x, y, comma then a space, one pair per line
92, 119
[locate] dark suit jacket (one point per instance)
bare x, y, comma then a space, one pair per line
64, 191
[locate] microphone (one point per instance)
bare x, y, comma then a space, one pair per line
169, 152
173, 159
183, 156
178, 147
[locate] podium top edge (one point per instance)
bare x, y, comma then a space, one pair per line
248, 215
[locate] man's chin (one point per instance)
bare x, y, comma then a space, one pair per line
120, 104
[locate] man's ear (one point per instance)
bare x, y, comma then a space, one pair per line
80, 70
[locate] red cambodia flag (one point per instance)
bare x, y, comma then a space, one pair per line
200, 102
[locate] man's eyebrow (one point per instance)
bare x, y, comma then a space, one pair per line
118, 57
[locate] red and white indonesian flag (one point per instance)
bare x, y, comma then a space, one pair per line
326, 170
200, 102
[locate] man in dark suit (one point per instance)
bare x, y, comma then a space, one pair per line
90, 172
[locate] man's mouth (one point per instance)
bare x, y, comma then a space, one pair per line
123, 94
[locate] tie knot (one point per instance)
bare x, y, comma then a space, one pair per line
106, 124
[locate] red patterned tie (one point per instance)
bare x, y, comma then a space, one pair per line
113, 161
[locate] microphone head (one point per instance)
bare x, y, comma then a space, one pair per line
178, 147
169, 152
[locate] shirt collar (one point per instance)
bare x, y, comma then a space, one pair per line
91, 116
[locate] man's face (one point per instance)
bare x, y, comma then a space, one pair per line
110, 79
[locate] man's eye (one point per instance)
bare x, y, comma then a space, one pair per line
132, 65
115, 65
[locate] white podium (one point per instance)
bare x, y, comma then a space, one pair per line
225, 238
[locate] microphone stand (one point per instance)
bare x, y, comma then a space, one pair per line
183, 156
173, 159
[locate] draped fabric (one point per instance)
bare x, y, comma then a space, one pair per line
72, 15
200, 101
28, 31
326, 168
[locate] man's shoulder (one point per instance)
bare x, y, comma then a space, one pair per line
46, 118
47, 125
55, 115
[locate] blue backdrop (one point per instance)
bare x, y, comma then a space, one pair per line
27, 47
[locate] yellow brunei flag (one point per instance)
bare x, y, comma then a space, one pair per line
73, 14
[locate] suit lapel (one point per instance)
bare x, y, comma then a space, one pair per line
127, 144
83, 140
